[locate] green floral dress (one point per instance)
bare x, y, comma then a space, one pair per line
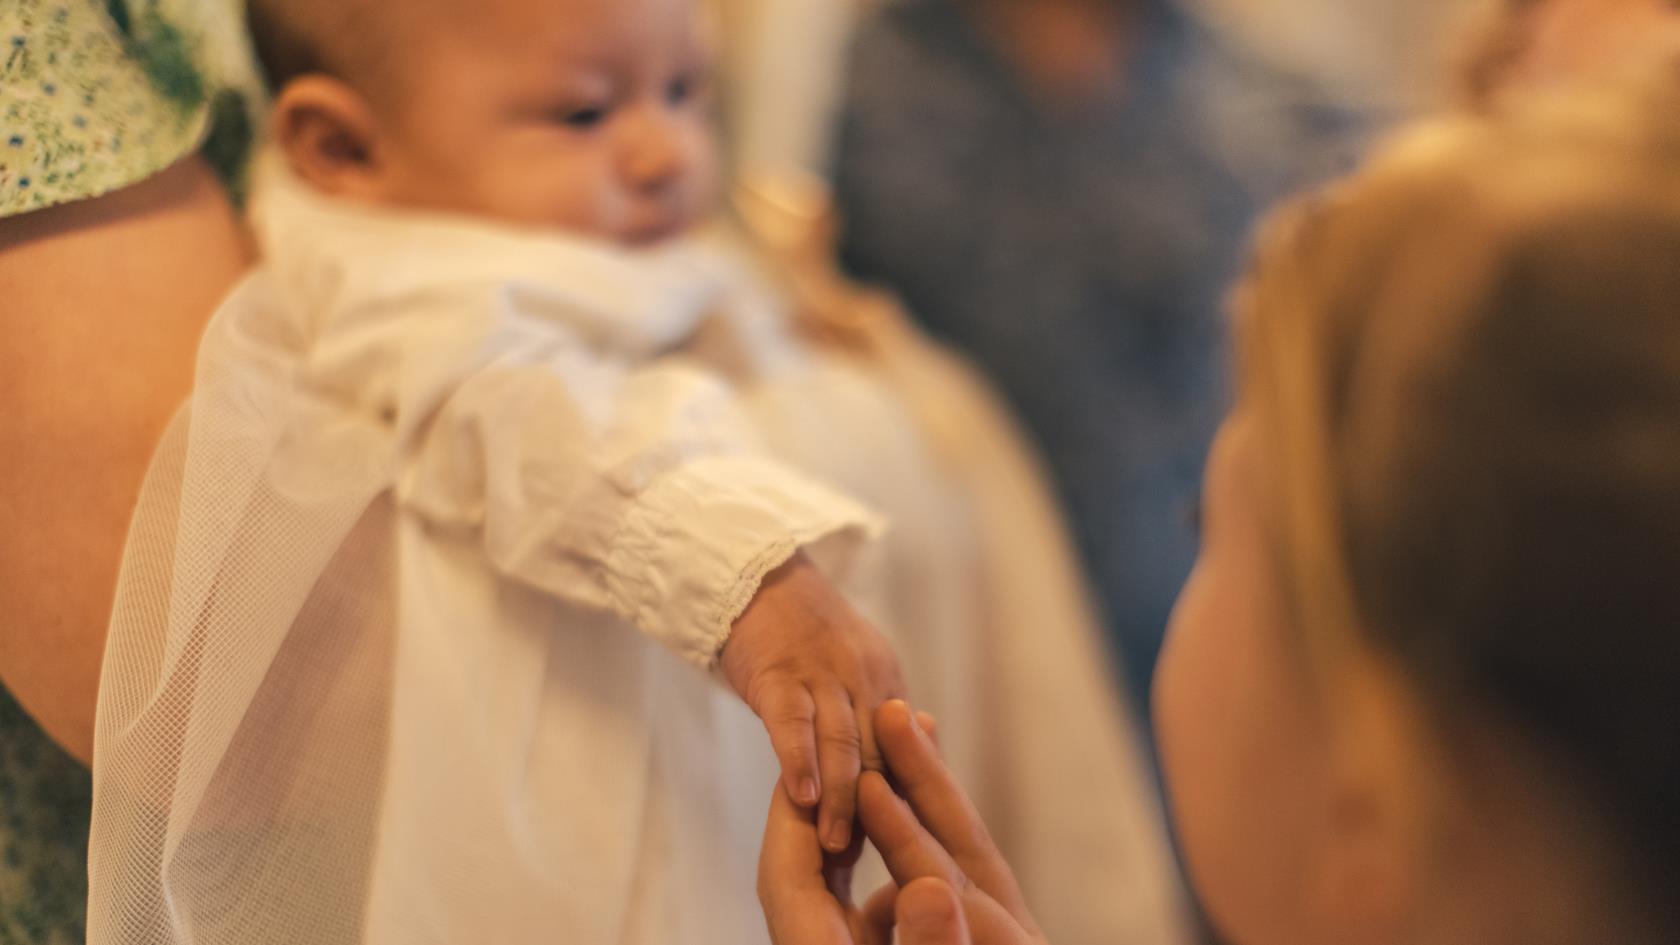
96, 95
99, 94
45, 796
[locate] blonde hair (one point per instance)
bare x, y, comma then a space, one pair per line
1492, 48
1465, 363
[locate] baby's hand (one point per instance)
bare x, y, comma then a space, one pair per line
814, 672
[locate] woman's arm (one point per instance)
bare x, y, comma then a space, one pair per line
101, 307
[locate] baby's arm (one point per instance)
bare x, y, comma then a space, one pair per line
639, 491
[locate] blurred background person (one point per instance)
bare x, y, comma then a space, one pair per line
1062, 189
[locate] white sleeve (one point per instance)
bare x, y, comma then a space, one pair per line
634, 490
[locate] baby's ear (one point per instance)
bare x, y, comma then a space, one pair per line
329, 135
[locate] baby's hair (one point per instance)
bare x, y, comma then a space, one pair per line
1467, 363
346, 39
284, 50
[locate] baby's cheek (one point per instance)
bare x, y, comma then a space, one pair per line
580, 200
704, 186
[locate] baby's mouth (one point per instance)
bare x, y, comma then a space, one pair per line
648, 232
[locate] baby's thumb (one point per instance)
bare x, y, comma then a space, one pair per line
929, 913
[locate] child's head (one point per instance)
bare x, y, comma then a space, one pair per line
1530, 42
1424, 685
587, 115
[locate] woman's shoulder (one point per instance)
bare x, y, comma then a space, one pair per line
116, 288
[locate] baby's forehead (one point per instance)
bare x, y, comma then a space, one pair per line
382, 47
561, 27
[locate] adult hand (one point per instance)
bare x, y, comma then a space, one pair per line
806, 892
955, 888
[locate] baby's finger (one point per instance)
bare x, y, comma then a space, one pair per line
886, 687
908, 850
838, 748
869, 753
789, 714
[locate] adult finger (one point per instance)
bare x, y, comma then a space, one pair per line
789, 715
791, 859
792, 887
909, 851
880, 915
839, 750
929, 724
913, 856
940, 803
839, 867
930, 912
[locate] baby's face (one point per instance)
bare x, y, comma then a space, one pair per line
593, 116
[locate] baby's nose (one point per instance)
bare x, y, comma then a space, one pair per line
653, 158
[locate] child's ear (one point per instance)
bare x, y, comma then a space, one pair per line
1385, 805
329, 136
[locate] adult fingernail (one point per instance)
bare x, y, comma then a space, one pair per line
807, 793
927, 912
840, 835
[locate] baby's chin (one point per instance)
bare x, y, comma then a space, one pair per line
636, 234
645, 231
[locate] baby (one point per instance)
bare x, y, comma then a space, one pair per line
494, 470
592, 117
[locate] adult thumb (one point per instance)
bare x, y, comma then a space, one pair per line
929, 913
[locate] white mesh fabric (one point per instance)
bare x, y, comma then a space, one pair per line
241, 719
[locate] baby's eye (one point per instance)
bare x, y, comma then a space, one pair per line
680, 91
583, 119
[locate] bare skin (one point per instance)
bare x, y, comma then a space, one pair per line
1068, 51
1569, 37
105, 302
